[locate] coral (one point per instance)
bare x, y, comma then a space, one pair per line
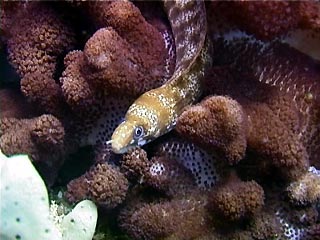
237, 200
14, 105
265, 225
259, 116
295, 222
38, 137
102, 183
115, 60
283, 120
272, 139
309, 15
313, 233
161, 172
43, 92
119, 57
38, 46
217, 123
34, 52
77, 92
267, 20
306, 190
177, 219
25, 207
135, 164
42, 138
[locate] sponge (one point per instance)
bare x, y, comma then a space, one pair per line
25, 210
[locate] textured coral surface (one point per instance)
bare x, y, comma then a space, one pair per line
242, 161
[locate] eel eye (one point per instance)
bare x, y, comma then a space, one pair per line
138, 132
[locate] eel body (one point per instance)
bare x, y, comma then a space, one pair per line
155, 112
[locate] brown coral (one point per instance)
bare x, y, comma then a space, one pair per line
43, 92
14, 105
177, 219
77, 92
267, 20
131, 47
38, 46
34, 51
35, 137
273, 139
283, 118
237, 200
42, 138
135, 164
127, 56
217, 123
103, 184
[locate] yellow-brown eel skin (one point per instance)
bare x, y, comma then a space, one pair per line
155, 112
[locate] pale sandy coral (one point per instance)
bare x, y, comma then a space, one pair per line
305, 190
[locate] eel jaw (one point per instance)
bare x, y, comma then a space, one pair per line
122, 137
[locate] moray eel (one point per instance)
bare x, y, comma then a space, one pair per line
155, 112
